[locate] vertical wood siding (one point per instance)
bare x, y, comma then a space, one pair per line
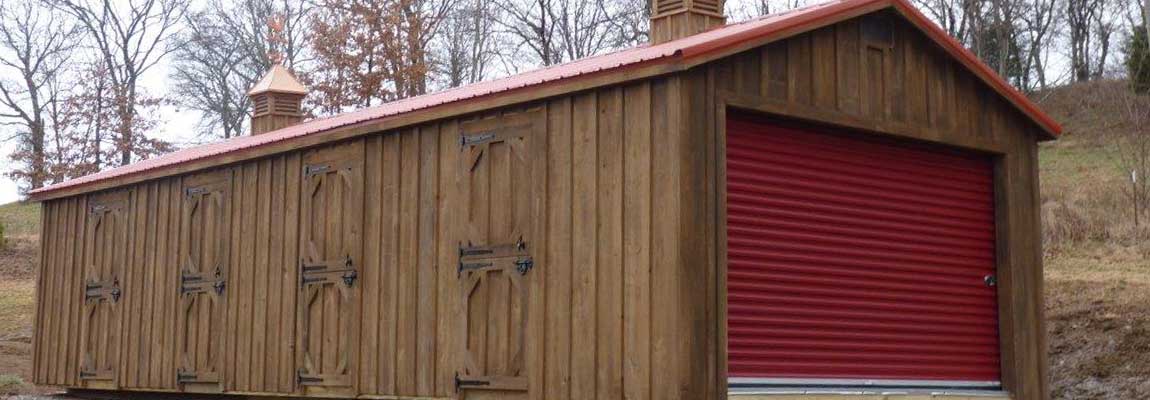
623, 301
607, 277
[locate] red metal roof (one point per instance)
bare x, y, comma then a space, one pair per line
686, 49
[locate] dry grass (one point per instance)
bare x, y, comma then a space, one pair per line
17, 304
17, 301
20, 219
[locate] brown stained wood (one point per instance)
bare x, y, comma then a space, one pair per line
426, 274
895, 78
800, 81
847, 52
133, 276
535, 332
155, 288
917, 92
369, 345
202, 283
609, 296
775, 77
727, 68
667, 345
637, 242
232, 319
260, 277
448, 311
496, 265
330, 249
390, 256
276, 365
54, 322
288, 305
873, 93
38, 335
823, 48
146, 275
245, 284
64, 261
701, 281
717, 208
584, 243
58, 289
170, 299
59, 211
747, 72
557, 345
408, 264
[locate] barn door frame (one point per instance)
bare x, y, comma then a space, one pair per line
334, 276
507, 262
105, 262
203, 285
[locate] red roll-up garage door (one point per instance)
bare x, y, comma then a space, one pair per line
856, 261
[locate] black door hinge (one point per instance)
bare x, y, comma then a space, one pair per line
460, 383
182, 376
310, 170
301, 379
524, 265
476, 138
195, 191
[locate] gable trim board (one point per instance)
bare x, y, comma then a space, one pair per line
622, 66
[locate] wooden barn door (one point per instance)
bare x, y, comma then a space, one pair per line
330, 239
204, 247
105, 257
496, 264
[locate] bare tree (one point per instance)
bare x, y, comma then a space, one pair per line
954, 16
35, 46
556, 31
468, 44
1089, 25
128, 38
225, 49
1038, 18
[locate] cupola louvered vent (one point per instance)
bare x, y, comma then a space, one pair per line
277, 101
674, 19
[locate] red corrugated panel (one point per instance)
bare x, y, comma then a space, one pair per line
857, 259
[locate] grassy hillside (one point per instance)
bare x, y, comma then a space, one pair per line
20, 219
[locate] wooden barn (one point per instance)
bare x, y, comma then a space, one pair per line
837, 201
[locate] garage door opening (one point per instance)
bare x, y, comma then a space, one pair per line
856, 262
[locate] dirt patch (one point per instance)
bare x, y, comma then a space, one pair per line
18, 259
1099, 334
17, 308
